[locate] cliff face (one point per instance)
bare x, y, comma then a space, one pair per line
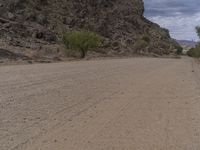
38, 25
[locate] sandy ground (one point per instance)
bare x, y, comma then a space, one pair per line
117, 104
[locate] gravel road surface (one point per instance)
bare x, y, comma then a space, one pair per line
115, 104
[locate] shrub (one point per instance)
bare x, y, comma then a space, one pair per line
190, 52
198, 30
167, 32
179, 49
140, 45
82, 41
194, 52
146, 38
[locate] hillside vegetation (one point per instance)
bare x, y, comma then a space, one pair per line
36, 28
195, 52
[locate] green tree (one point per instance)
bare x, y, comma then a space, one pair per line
198, 30
179, 49
195, 52
82, 41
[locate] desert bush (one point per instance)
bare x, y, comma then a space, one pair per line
146, 38
167, 32
194, 52
198, 30
179, 49
190, 52
82, 41
140, 45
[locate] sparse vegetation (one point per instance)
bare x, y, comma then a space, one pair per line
146, 38
140, 45
179, 49
195, 52
82, 41
198, 30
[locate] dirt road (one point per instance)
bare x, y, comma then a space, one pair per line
119, 104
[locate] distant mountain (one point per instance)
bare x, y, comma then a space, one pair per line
187, 43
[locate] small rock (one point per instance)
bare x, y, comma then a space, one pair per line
7, 25
41, 19
11, 16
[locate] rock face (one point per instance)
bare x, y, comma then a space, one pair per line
38, 25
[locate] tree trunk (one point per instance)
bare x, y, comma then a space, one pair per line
83, 53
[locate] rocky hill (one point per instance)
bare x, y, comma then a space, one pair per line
34, 28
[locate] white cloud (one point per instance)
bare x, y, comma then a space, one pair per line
181, 27
179, 16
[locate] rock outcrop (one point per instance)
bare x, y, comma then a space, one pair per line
36, 27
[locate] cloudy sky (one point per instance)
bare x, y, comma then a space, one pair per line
179, 16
